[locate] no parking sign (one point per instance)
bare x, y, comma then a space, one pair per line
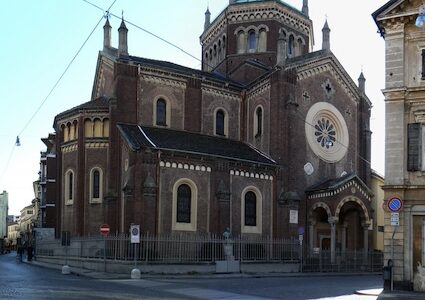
395, 204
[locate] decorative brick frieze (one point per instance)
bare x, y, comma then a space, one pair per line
185, 166
251, 175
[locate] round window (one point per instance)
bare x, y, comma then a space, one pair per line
326, 132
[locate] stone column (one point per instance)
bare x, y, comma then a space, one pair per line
332, 221
365, 241
344, 238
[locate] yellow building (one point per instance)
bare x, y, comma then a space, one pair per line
377, 181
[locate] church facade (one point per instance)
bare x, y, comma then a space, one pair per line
268, 139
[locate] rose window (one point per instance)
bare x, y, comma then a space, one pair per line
325, 133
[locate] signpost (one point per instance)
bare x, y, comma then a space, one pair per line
104, 230
135, 239
395, 205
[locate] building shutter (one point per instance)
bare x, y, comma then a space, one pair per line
414, 147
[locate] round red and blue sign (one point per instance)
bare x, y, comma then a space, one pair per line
395, 204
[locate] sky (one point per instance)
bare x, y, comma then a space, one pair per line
40, 38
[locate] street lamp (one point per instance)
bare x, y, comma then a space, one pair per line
420, 20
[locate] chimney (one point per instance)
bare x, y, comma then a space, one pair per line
326, 43
207, 19
106, 34
305, 7
362, 83
122, 39
281, 50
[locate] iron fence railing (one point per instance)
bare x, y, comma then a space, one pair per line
344, 261
174, 248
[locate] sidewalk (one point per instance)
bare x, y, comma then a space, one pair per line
399, 295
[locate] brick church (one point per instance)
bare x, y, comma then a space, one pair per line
269, 138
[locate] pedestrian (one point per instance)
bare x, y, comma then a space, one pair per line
29, 252
20, 252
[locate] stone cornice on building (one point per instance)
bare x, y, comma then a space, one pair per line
222, 93
327, 64
157, 77
96, 144
259, 88
69, 147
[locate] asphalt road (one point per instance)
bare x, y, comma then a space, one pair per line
23, 281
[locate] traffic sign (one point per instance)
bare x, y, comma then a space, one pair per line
135, 234
104, 229
395, 219
395, 204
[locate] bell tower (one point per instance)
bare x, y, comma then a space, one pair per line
248, 35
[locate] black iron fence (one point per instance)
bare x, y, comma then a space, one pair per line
343, 261
175, 248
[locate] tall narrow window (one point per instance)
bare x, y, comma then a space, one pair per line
96, 184
184, 196
259, 123
291, 46
252, 41
250, 209
219, 122
70, 185
241, 43
262, 41
161, 112
423, 63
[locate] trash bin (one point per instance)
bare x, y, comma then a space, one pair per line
386, 272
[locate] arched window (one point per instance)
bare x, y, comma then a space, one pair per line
291, 46
219, 122
96, 185
252, 41
161, 112
258, 125
262, 41
184, 196
250, 209
185, 205
241, 43
69, 187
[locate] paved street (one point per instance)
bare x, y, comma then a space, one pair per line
23, 281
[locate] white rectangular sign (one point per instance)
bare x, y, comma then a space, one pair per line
395, 219
293, 216
135, 234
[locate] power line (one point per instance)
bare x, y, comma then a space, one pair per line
336, 140
63, 73
50, 92
147, 31
187, 53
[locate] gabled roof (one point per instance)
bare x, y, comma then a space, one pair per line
141, 137
388, 11
307, 61
169, 66
101, 103
338, 184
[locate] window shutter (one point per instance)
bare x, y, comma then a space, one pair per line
414, 147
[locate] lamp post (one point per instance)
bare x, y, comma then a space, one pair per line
420, 20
